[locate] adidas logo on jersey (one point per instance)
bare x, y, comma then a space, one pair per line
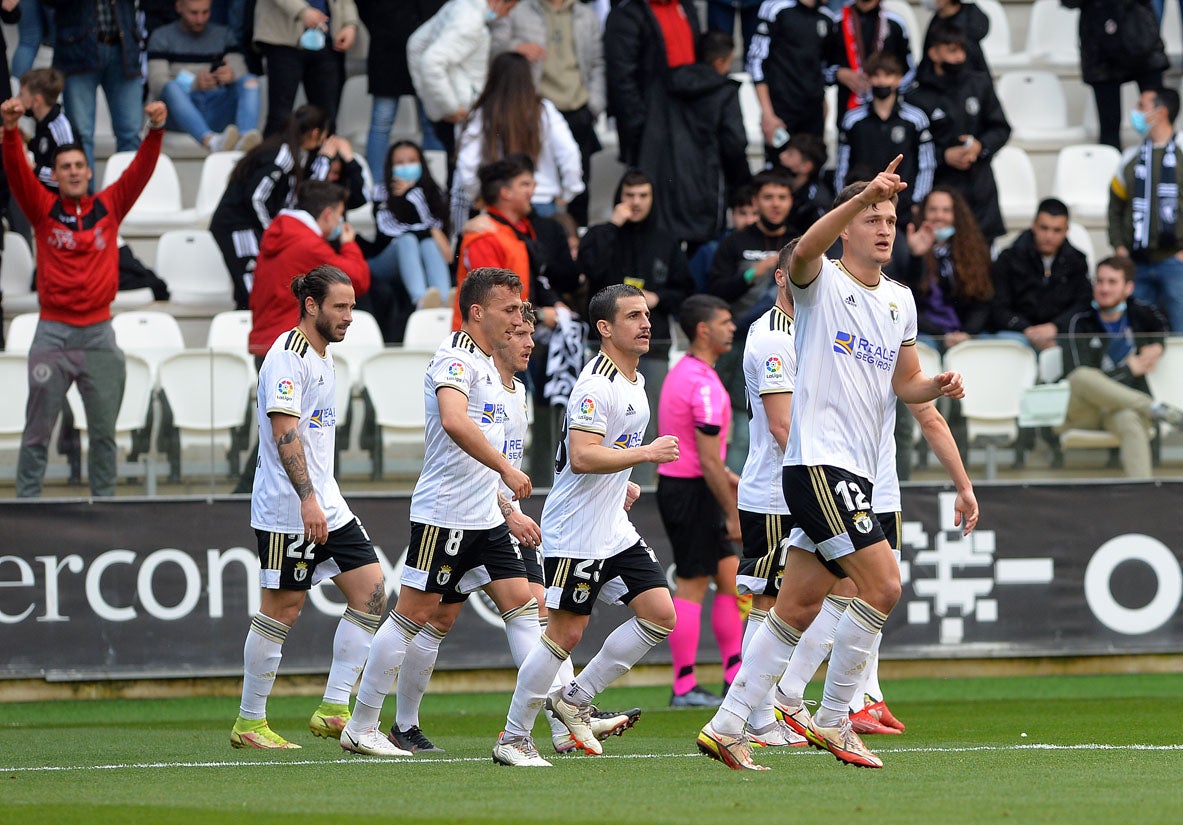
850, 301
630, 410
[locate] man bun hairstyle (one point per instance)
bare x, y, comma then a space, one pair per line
315, 284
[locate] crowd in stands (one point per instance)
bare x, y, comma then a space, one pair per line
515, 93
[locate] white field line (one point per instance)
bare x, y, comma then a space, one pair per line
566, 760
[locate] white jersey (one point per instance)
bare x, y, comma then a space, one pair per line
296, 381
454, 489
769, 366
584, 515
848, 338
885, 498
513, 444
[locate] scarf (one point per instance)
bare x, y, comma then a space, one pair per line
564, 359
1166, 192
852, 40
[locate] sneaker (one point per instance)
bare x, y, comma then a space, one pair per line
412, 739
605, 723
329, 720
370, 743
517, 752
564, 743
577, 718
696, 697
431, 299
249, 141
733, 751
879, 711
798, 720
776, 734
225, 140
256, 733
865, 723
846, 745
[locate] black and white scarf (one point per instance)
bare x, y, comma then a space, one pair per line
1165, 192
565, 358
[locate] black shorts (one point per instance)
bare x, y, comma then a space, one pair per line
437, 557
287, 561
892, 525
833, 508
765, 549
694, 522
574, 584
479, 576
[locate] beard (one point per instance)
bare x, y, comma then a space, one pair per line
328, 331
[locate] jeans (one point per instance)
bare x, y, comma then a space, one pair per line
200, 113
124, 99
322, 73
382, 116
1162, 284
418, 262
35, 26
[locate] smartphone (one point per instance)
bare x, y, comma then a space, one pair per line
780, 137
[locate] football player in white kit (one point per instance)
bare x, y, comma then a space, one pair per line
304, 528
456, 524
588, 541
855, 336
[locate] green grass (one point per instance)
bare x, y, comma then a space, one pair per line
962, 760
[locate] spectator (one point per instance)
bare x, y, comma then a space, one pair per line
308, 46
40, 91
786, 64
742, 213
34, 28
412, 217
197, 69
10, 13
77, 278
968, 123
721, 18
972, 20
335, 162
1144, 203
97, 43
803, 158
263, 182
448, 57
509, 118
1041, 280
643, 40
562, 41
699, 152
864, 27
1119, 43
949, 272
874, 133
1109, 349
390, 25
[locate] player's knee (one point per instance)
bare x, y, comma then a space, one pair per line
883, 596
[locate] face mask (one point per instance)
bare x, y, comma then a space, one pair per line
409, 172
1120, 308
952, 70
491, 15
943, 233
335, 233
1138, 121
774, 227
312, 40
882, 92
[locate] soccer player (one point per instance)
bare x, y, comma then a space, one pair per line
855, 337
304, 527
455, 520
696, 497
587, 539
417, 667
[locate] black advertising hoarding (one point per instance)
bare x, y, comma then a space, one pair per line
130, 589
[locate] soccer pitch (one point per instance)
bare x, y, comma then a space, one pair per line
1097, 749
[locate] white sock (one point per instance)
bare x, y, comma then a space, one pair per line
522, 630
870, 673
812, 650
623, 648
853, 640
386, 656
351, 647
755, 619
535, 677
565, 676
260, 660
768, 652
761, 716
871, 686
415, 673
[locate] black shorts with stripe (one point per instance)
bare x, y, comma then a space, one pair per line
693, 521
574, 584
833, 507
531, 559
765, 549
892, 525
287, 561
438, 556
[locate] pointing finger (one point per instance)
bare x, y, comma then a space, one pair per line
891, 167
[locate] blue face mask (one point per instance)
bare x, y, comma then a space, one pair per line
491, 15
409, 172
335, 233
312, 40
1120, 308
943, 233
1138, 121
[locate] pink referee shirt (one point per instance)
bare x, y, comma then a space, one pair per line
692, 398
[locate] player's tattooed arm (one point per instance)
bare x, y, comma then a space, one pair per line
503, 505
291, 455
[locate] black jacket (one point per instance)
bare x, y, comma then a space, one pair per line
787, 54
965, 105
735, 255
976, 25
1023, 296
896, 41
390, 24
1085, 341
1102, 58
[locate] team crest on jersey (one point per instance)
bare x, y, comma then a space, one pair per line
862, 522
894, 310
443, 576
285, 388
773, 367
972, 106
301, 572
897, 134
822, 28
582, 593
